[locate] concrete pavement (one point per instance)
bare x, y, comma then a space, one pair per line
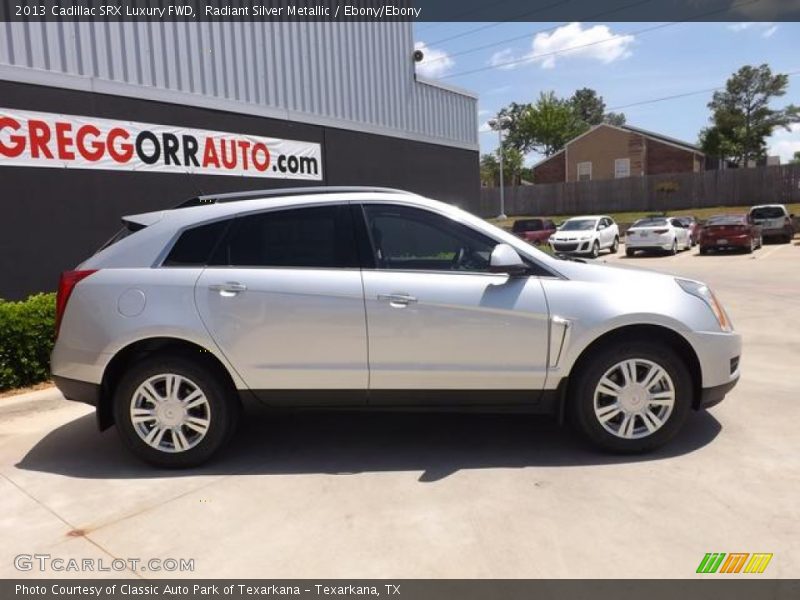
442, 496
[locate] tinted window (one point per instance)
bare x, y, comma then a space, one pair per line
320, 237
413, 239
767, 212
527, 225
650, 223
195, 245
727, 220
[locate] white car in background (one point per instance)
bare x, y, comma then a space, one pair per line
661, 234
586, 235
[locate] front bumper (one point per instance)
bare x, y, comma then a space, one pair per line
572, 247
714, 395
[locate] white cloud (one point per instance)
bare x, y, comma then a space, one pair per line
483, 112
501, 58
785, 143
435, 62
485, 127
765, 29
593, 43
571, 41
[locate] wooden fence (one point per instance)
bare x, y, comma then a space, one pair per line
654, 193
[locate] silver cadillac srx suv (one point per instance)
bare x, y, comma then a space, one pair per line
373, 298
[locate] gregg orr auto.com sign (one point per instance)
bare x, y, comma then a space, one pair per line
36, 139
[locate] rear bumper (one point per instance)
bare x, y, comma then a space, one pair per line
79, 391
730, 242
648, 245
714, 395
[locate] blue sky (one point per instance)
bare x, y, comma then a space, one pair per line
624, 67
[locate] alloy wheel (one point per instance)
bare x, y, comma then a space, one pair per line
634, 398
170, 413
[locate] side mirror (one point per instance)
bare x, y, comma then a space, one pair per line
601, 227
504, 259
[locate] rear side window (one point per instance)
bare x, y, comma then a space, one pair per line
194, 246
317, 237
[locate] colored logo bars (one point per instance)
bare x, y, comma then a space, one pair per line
735, 562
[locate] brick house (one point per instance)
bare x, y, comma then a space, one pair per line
609, 152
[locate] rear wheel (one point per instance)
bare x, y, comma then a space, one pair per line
631, 397
615, 245
703, 250
674, 250
751, 248
629, 252
173, 412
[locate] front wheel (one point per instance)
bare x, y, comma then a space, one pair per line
631, 397
595, 249
174, 412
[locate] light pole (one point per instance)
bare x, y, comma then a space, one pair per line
499, 124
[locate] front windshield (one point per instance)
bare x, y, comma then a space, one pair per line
579, 225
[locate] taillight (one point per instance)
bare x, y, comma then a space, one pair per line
660, 231
67, 283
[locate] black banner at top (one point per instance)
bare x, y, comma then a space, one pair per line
399, 10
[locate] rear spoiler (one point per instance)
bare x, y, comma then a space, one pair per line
140, 221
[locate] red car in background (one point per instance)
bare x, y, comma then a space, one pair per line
693, 225
725, 232
534, 231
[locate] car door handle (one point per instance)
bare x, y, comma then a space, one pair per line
397, 299
229, 288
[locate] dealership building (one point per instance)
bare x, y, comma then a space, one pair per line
99, 120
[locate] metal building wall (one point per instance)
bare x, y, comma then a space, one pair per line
353, 75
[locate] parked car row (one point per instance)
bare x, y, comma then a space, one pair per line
590, 235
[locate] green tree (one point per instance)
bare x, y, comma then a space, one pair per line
796, 158
547, 124
512, 167
742, 117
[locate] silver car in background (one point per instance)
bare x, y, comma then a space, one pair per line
586, 235
373, 298
774, 220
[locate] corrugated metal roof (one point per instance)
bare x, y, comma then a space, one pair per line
352, 75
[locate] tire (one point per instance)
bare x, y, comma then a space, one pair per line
751, 248
787, 239
587, 405
615, 246
214, 414
674, 250
595, 249
703, 250
629, 252
692, 242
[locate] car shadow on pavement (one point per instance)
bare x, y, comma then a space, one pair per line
438, 444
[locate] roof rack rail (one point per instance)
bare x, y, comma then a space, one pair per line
293, 191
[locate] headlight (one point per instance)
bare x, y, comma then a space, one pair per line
702, 291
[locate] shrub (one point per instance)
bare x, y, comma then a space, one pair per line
26, 339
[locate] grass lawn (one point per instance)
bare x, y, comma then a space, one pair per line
630, 217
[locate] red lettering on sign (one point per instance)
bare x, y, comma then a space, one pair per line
122, 153
17, 141
94, 150
39, 132
261, 165
210, 154
229, 162
64, 141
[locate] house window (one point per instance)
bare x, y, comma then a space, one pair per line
622, 168
584, 171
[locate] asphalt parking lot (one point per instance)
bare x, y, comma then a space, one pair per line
440, 496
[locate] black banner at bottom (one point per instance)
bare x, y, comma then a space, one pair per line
407, 589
